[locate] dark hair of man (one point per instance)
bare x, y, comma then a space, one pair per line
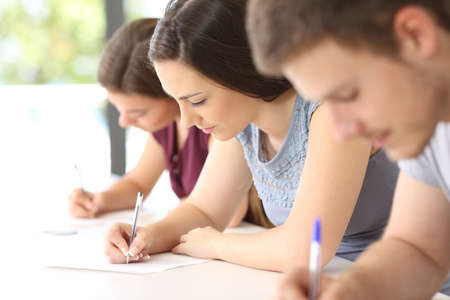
279, 29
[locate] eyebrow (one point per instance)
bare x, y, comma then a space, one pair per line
135, 110
188, 96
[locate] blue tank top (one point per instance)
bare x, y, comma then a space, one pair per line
277, 180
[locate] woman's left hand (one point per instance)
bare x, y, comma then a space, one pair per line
199, 242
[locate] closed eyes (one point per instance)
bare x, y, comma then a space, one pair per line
197, 103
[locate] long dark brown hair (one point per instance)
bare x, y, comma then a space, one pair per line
209, 35
124, 66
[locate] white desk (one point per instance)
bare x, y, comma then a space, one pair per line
210, 280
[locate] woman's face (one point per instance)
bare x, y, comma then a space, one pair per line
144, 112
204, 103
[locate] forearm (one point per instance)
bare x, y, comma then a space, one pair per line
393, 269
268, 250
179, 221
122, 195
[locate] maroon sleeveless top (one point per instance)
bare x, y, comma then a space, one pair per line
185, 166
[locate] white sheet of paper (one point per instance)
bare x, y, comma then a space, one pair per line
85, 250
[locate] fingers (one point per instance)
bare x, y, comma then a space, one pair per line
184, 238
291, 292
78, 211
113, 254
141, 243
116, 256
116, 244
81, 204
179, 249
294, 286
140, 258
331, 289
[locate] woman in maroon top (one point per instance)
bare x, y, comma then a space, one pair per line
134, 89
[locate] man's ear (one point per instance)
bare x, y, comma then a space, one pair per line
416, 32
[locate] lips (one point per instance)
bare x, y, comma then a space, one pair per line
380, 140
208, 130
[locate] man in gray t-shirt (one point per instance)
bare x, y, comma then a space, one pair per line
382, 68
432, 167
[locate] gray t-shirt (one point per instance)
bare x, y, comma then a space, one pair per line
432, 167
277, 180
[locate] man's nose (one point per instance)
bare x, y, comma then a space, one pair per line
345, 126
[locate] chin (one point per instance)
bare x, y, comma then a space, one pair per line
221, 137
405, 151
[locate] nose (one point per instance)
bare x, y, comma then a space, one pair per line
124, 121
345, 125
188, 117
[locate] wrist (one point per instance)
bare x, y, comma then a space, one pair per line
217, 245
102, 202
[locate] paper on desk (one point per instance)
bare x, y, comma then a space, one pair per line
85, 250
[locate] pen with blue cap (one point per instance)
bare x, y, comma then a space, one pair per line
314, 260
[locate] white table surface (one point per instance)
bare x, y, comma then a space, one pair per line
24, 276
27, 278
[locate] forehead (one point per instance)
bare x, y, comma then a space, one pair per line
179, 79
324, 67
130, 101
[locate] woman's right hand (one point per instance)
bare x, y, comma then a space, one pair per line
116, 244
83, 204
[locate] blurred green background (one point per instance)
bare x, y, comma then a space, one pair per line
57, 41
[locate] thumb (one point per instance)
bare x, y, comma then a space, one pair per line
141, 243
329, 289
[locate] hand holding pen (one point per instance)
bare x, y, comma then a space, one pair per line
126, 243
302, 283
137, 209
84, 204
81, 203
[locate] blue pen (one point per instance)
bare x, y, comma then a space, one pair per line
79, 176
314, 260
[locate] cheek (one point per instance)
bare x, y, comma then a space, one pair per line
154, 121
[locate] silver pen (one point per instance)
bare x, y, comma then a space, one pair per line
137, 208
80, 181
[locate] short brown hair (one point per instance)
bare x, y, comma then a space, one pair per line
279, 28
210, 36
124, 66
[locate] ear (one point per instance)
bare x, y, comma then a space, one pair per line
416, 32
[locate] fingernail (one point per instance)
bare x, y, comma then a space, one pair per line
133, 258
133, 251
124, 251
147, 257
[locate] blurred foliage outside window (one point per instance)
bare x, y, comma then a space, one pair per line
57, 41
50, 41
